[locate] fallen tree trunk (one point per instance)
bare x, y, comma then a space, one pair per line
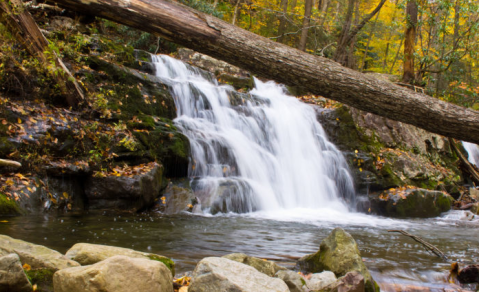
214, 37
23, 27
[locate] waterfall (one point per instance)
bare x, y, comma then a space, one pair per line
472, 151
263, 150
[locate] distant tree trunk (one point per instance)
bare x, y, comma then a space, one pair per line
23, 27
409, 41
236, 12
308, 5
347, 35
366, 50
283, 21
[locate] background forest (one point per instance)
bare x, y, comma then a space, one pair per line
432, 44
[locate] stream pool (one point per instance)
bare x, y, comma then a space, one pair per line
283, 236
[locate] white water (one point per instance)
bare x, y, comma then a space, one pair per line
472, 151
263, 151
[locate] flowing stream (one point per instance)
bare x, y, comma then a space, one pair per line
270, 185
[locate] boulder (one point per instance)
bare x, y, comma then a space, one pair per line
339, 254
294, 281
320, 280
127, 193
221, 274
12, 277
37, 256
179, 199
115, 274
266, 267
351, 282
88, 254
409, 202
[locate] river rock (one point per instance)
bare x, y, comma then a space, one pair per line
179, 199
403, 203
339, 254
475, 209
294, 281
37, 256
351, 282
12, 277
266, 267
320, 280
88, 254
126, 193
221, 274
115, 274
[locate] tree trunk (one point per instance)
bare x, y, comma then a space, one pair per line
237, 12
23, 26
212, 36
283, 21
308, 5
409, 41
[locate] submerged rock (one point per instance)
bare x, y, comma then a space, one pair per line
266, 267
403, 203
88, 254
128, 193
221, 274
12, 277
115, 274
339, 254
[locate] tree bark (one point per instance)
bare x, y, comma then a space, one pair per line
409, 41
269, 59
23, 26
308, 5
283, 21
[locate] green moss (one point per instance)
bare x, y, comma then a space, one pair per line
42, 277
8, 207
168, 262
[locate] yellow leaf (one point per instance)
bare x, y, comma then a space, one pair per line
35, 287
4, 221
65, 195
19, 120
27, 267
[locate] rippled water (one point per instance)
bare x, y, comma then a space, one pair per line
283, 237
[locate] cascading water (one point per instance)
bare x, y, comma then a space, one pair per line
258, 151
472, 151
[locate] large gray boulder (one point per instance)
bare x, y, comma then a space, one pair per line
266, 267
339, 254
115, 274
12, 277
88, 254
403, 203
221, 274
37, 256
127, 193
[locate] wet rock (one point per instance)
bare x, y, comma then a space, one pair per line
115, 274
266, 267
208, 63
475, 209
403, 203
88, 254
179, 199
351, 282
12, 277
8, 207
469, 274
320, 280
221, 274
237, 82
294, 281
37, 256
339, 254
125, 193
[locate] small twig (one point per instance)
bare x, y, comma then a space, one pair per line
429, 246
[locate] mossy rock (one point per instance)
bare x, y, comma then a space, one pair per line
237, 82
8, 207
6, 147
408, 203
43, 278
339, 254
266, 267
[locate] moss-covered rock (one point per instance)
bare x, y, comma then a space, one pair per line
8, 207
404, 203
43, 278
266, 267
339, 254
